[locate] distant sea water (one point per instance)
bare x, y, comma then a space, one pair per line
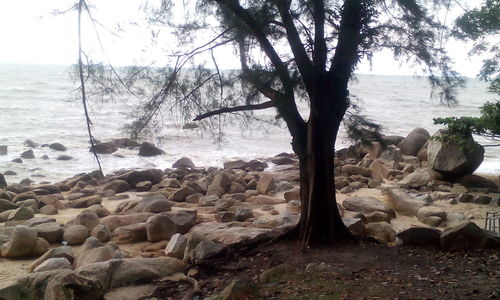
38, 102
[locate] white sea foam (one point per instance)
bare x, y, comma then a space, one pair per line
36, 103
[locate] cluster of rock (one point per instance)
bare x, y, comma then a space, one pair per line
145, 149
187, 214
414, 175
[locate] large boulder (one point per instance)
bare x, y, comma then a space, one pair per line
134, 177
420, 177
85, 202
381, 231
154, 203
406, 203
57, 147
183, 162
117, 186
75, 234
87, 219
65, 252
176, 246
420, 236
367, 205
450, 159
149, 149
6, 205
104, 148
51, 232
468, 236
414, 141
56, 263
21, 242
159, 227
115, 221
130, 234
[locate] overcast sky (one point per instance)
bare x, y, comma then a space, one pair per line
30, 34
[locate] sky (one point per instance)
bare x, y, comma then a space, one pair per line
31, 34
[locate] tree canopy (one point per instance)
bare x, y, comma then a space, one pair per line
290, 51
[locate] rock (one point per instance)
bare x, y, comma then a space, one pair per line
255, 165
21, 242
235, 164
117, 186
294, 207
134, 177
420, 177
85, 202
243, 213
75, 234
149, 149
30, 143
17, 160
58, 147
60, 252
430, 211
355, 225
181, 194
266, 184
24, 196
222, 180
56, 263
64, 157
104, 148
169, 183
204, 249
433, 221
420, 236
379, 169
3, 182
476, 181
28, 154
367, 205
283, 160
143, 186
293, 194
183, 219
41, 247
381, 231
99, 210
243, 288
482, 199
21, 213
194, 198
215, 190
48, 210
51, 232
236, 188
230, 233
414, 141
130, 233
468, 236
225, 216
377, 216
87, 219
115, 221
160, 227
208, 200
176, 246
183, 162
101, 233
3, 150
95, 255
263, 200
450, 160
154, 204
6, 205
356, 170
406, 203
392, 139
465, 198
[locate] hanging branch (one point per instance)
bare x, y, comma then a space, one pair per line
82, 85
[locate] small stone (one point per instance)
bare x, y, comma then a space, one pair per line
58, 147
143, 186
225, 216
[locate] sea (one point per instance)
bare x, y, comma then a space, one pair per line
41, 103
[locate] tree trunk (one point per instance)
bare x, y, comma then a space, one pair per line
320, 221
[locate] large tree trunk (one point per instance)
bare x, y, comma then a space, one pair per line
320, 221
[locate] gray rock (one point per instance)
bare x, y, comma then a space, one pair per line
28, 154
468, 236
420, 236
51, 232
448, 158
181, 194
367, 205
101, 232
115, 221
130, 233
57, 147
85, 202
154, 204
381, 231
64, 157
160, 227
356, 170
75, 234
235, 164
143, 186
104, 148
48, 210
87, 219
21, 213
56, 263
414, 141
406, 203
149, 149
6, 205
65, 252
21, 242
183, 162
265, 200
225, 216
117, 186
420, 177
266, 184
176, 246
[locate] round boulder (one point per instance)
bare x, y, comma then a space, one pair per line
76, 234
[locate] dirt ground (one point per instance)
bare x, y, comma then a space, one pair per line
355, 270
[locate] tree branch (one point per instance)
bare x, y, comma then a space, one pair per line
263, 105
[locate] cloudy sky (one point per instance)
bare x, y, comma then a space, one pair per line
31, 34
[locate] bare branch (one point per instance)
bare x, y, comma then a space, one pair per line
263, 105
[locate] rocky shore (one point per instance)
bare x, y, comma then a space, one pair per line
89, 236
